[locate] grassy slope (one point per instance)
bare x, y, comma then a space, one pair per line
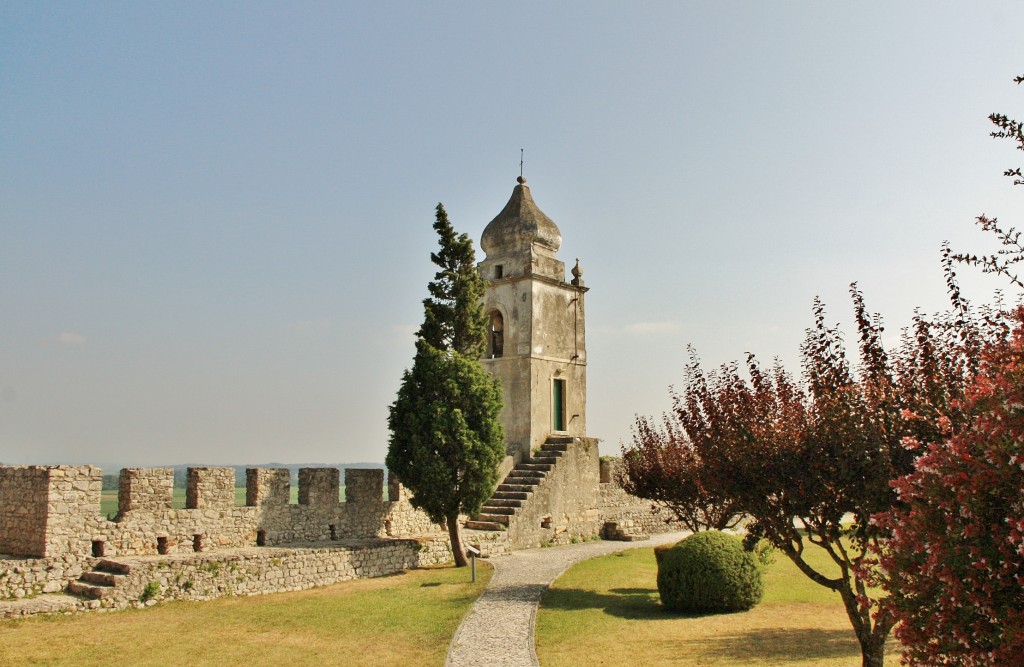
606, 611
406, 619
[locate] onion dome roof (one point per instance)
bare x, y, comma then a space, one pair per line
520, 225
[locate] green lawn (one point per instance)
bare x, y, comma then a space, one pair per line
108, 498
606, 611
406, 619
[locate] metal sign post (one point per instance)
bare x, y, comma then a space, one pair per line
473, 553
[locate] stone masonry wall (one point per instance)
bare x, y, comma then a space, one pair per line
252, 571
633, 516
210, 488
246, 571
564, 507
28, 577
23, 506
53, 513
74, 494
145, 489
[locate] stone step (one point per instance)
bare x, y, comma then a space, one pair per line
494, 518
484, 525
534, 466
510, 495
518, 474
91, 591
113, 567
545, 458
488, 508
99, 578
504, 502
507, 487
555, 446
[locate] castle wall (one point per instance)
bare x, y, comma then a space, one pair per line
631, 515
145, 489
210, 488
24, 491
74, 500
248, 571
53, 513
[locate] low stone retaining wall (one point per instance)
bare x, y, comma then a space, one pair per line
28, 577
633, 515
147, 580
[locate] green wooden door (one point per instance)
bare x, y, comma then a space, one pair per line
558, 405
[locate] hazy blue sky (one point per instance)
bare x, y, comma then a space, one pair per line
215, 217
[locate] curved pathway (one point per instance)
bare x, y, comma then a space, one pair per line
498, 629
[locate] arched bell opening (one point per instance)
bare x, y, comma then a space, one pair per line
495, 335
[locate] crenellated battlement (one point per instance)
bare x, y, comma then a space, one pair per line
48, 511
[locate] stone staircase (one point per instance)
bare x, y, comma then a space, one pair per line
519, 484
100, 581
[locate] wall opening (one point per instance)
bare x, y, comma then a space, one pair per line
197, 543
387, 528
558, 405
545, 522
97, 548
161, 546
334, 531
261, 538
499, 271
495, 335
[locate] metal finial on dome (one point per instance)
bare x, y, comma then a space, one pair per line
521, 180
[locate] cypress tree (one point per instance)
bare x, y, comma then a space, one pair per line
446, 435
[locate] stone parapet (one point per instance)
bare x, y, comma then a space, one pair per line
209, 488
145, 489
267, 486
24, 491
54, 510
319, 486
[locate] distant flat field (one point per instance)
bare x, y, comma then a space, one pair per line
108, 499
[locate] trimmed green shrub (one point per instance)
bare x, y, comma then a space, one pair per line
709, 572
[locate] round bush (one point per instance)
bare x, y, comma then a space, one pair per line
709, 572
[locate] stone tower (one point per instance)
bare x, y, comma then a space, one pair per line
536, 336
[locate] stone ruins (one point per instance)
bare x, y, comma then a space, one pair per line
59, 552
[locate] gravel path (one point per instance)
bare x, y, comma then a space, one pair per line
498, 629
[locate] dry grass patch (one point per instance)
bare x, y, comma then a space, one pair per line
606, 611
405, 619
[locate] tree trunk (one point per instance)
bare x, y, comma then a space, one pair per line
872, 651
456, 539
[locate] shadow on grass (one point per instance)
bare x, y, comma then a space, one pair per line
779, 645
751, 646
631, 603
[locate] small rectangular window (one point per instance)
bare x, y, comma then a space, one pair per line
499, 271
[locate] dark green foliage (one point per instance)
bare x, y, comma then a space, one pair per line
709, 572
453, 314
446, 439
446, 435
